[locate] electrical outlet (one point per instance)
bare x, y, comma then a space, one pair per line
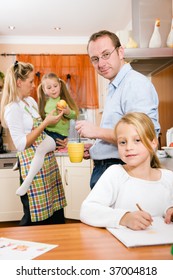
4, 132
5, 146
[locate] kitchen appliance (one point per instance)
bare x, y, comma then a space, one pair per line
7, 163
2, 150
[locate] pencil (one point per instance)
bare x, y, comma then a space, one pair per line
139, 207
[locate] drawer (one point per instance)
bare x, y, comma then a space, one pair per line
83, 163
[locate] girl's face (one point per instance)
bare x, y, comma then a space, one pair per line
25, 87
131, 150
51, 87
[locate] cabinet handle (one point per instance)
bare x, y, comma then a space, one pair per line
66, 177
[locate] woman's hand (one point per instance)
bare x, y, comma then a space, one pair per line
51, 118
169, 215
137, 220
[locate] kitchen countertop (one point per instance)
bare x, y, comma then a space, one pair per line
167, 162
12, 154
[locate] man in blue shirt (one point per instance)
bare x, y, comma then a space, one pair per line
129, 91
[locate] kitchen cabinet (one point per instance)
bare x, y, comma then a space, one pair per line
75, 177
76, 182
10, 204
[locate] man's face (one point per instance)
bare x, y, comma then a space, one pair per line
105, 58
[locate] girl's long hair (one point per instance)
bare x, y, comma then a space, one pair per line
18, 70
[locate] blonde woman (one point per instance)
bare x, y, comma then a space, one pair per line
45, 199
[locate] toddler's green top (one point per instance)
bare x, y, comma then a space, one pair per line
63, 126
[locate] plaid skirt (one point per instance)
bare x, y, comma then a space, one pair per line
46, 194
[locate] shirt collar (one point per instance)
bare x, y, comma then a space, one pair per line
121, 74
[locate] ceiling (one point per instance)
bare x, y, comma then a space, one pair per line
35, 22
78, 19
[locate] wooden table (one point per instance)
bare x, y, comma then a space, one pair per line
78, 241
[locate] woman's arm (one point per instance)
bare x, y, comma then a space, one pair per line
50, 119
20, 124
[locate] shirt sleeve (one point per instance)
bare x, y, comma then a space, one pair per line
72, 115
14, 120
98, 208
142, 97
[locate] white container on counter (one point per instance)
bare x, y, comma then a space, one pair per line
169, 136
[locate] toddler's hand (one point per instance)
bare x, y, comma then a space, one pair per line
66, 111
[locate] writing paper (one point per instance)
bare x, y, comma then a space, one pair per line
11, 249
156, 234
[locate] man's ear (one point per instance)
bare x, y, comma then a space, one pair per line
121, 52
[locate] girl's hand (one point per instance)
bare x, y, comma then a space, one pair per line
137, 220
61, 143
169, 216
66, 111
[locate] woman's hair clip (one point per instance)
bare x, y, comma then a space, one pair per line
38, 74
15, 65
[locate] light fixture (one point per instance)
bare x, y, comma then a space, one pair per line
57, 28
11, 27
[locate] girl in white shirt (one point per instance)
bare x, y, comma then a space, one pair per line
112, 202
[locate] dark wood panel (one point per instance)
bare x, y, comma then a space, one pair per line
163, 82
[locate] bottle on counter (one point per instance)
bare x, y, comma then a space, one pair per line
169, 41
155, 41
131, 43
169, 137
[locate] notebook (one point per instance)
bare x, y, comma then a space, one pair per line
157, 234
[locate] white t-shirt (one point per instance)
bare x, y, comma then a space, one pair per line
19, 120
116, 193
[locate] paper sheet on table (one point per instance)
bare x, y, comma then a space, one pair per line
157, 234
11, 249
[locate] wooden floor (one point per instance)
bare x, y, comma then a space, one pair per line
16, 223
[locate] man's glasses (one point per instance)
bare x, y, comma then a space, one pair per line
105, 56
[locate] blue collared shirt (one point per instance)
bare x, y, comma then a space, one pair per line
130, 91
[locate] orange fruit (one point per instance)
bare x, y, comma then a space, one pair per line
171, 144
61, 104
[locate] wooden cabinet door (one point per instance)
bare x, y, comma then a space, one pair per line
10, 204
76, 181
